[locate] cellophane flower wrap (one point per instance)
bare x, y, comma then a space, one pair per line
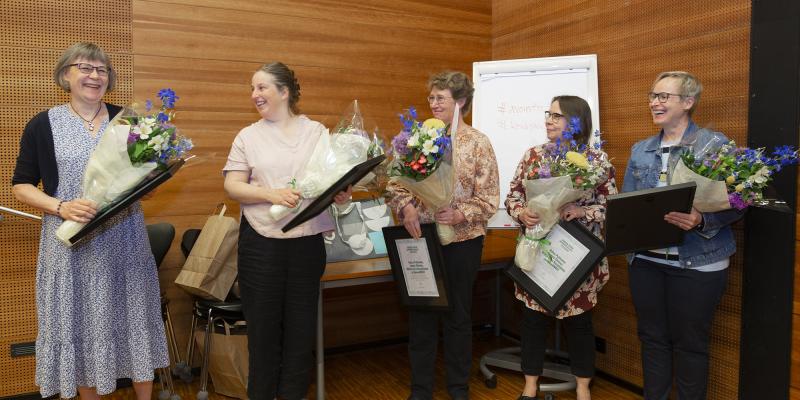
333, 156
728, 176
424, 163
134, 144
563, 173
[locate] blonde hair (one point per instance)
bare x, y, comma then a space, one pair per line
87, 51
690, 85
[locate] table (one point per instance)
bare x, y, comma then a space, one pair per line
369, 271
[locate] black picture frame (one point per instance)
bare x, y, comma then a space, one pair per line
114, 208
553, 303
322, 202
441, 303
635, 220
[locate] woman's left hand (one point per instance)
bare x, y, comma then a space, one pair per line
685, 221
344, 196
449, 216
571, 211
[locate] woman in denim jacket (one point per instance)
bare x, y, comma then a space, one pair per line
676, 290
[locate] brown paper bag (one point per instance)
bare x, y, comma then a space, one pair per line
211, 267
228, 361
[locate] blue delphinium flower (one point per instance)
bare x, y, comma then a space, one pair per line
162, 117
148, 105
167, 97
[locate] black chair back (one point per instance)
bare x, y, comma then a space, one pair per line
160, 235
188, 239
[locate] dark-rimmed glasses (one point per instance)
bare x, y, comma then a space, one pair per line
663, 96
554, 116
87, 69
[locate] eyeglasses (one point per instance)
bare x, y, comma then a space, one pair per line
555, 117
88, 68
437, 99
663, 96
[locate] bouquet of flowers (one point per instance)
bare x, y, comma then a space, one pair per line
423, 163
333, 156
134, 144
562, 173
730, 176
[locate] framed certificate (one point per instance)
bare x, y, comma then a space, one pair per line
322, 202
120, 204
418, 267
561, 266
635, 220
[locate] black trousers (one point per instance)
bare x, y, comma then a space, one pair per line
279, 283
674, 309
580, 339
462, 260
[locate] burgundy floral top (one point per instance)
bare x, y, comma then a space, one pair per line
594, 204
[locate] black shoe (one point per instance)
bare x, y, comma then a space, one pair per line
521, 397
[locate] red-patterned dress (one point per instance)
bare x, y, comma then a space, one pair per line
594, 204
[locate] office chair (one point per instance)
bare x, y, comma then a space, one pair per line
160, 236
209, 311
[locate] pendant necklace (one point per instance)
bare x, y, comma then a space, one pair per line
89, 121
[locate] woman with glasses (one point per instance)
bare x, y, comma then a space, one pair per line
590, 211
98, 314
676, 290
475, 200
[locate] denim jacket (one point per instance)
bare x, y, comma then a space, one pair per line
715, 241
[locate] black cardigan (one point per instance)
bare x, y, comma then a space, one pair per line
37, 155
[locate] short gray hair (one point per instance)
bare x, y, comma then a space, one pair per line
690, 85
87, 51
458, 83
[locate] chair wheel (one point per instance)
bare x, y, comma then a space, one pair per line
491, 383
163, 395
186, 378
201, 395
175, 397
549, 396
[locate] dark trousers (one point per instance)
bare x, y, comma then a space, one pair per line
462, 260
279, 283
674, 308
580, 339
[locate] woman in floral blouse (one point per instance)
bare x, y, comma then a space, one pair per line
589, 210
476, 195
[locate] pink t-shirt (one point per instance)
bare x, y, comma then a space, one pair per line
272, 161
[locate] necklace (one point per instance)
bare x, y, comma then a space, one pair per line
89, 121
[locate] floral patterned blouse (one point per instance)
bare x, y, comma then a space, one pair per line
594, 204
477, 188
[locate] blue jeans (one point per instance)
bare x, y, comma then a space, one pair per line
674, 309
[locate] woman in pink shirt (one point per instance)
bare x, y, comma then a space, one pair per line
278, 272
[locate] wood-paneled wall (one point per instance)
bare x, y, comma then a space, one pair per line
634, 41
795, 372
380, 52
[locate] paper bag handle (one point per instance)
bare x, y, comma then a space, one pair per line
222, 207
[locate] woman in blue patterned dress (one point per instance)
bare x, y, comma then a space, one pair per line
98, 312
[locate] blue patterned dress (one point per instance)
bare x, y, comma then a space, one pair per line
98, 302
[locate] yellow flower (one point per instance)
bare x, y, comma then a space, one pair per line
730, 179
433, 123
577, 159
739, 187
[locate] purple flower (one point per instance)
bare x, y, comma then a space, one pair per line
736, 201
399, 143
544, 171
148, 105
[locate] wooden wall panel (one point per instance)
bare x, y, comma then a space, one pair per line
380, 52
634, 41
795, 372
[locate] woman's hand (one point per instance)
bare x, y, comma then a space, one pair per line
411, 221
685, 221
528, 218
449, 216
286, 197
78, 210
571, 211
344, 196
